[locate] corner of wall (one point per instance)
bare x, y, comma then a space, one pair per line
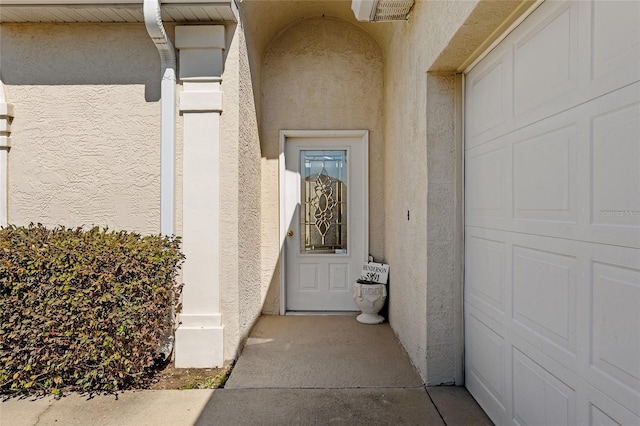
6, 116
444, 257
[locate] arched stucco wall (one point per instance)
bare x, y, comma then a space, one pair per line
86, 132
319, 74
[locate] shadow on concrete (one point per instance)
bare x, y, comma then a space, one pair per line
302, 370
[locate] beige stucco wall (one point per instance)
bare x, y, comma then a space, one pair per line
425, 252
319, 74
444, 229
241, 293
251, 290
86, 144
406, 178
86, 128
420, 150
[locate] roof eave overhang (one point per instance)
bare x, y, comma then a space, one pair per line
115, 11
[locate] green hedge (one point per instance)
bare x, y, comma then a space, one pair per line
83, 310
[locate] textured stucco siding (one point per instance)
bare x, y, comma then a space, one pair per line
86, 143
229, 173
418, 152
319, 74
241, 296
444, 230
405, 184
423, 171
460, 31
251, 290
86, 131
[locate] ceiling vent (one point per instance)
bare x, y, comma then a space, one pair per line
381, 10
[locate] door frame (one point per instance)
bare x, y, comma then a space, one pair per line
363, 136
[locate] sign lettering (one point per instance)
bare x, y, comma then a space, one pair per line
375, 273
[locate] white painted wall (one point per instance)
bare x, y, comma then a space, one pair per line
200, 335
6, 116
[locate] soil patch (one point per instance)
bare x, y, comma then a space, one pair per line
190, 378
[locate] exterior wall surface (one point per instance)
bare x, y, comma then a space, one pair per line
405, 184
445, 338
86, 144
241, 295
319, 74
423, 163
251, 290
86, 131
419, 150
86, 138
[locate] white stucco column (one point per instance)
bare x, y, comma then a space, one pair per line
199, 337
6, 115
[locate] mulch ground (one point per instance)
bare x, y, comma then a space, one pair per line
190, 378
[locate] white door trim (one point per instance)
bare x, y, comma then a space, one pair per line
284, 134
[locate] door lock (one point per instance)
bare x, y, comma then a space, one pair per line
290, 233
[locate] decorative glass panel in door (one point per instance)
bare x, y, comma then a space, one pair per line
323, 218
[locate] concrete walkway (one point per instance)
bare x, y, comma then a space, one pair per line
294, 370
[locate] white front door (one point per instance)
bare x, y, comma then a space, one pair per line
324, 217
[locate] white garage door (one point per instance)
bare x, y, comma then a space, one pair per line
552, 261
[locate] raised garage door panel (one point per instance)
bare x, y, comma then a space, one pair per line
552, 218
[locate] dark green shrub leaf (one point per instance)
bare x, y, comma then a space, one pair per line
80, 307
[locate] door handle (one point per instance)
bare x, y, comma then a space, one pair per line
289, 233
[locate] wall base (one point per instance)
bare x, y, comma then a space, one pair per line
199, 346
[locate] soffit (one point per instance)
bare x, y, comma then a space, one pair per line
113, 11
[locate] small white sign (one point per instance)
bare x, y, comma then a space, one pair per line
375, 272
